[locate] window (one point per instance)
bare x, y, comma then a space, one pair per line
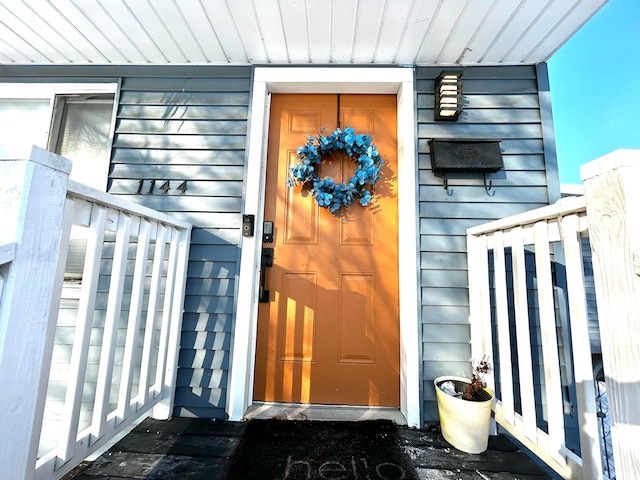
72, 120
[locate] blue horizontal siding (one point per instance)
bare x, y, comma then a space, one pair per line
190, 123
499, 102
192, 128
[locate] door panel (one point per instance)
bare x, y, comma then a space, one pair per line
300, 215
357, 328
330, 332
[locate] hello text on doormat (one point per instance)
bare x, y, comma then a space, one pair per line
304, 450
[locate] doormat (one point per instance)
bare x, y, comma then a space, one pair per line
305, 450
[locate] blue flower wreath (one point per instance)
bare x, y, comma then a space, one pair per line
327, 193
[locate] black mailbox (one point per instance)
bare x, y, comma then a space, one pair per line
481, 156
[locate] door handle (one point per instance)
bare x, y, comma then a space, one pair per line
266, 261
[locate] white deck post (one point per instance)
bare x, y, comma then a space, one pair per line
32, 199
613, 198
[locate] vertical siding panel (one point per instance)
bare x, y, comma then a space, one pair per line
191, 129
499, 102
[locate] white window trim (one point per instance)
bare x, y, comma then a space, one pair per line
49, 91
396, 80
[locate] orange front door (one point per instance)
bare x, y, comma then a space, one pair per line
330, 331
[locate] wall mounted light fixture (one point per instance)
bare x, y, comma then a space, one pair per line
448, 96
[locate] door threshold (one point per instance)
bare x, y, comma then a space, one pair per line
340, 413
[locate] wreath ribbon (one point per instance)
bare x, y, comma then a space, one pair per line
327, 193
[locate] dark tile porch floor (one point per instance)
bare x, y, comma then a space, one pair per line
199, 449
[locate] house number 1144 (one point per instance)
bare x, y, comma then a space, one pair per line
150, 187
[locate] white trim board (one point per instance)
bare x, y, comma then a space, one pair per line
393, 80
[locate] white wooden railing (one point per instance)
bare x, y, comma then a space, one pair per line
132, 284
608, 215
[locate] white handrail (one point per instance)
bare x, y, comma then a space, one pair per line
84, 192
607, 215
134, 266
534, 233
562, 207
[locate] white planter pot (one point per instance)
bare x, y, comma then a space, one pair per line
465, 424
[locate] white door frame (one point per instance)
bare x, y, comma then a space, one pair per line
383, 80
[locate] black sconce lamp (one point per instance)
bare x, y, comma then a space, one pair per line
448, 96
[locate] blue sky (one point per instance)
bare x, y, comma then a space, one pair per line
595, 88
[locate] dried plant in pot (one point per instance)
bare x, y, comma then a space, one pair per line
464, 406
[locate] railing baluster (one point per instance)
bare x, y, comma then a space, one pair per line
152, 310
114, 306
63, 251
525, 364
125, 408
163, 409
1, 280
583, 368
166, 311
551, 362
502, 321
479, 291
79, 355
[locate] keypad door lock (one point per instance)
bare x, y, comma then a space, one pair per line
267, 232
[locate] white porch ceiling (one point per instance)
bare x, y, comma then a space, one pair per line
422, 32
